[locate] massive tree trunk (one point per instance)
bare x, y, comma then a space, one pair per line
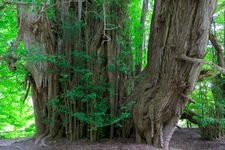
75, 50
179, 35
81, 42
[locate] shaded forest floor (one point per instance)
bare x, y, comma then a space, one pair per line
183, 139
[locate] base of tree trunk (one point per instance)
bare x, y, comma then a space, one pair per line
214, 131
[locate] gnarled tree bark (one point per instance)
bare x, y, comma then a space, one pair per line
75, 27
178, 28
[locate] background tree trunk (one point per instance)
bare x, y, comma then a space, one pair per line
144, 12
179, 31
215, 129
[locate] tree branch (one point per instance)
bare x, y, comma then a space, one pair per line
218, 50
206, 74
189, 116
187, 98
201, 61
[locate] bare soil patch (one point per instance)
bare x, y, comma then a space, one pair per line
183, 139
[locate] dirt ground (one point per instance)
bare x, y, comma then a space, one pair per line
183, 139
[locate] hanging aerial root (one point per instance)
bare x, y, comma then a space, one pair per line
27, 86
105, 36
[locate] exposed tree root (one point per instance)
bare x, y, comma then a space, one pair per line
38, 139
48, 137
42, 140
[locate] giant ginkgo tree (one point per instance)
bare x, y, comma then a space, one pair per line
79, 61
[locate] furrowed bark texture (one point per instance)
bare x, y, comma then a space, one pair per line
179, 27
79, 27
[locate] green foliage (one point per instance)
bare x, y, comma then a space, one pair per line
209, 94
91, 95
16, 117
134, 11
